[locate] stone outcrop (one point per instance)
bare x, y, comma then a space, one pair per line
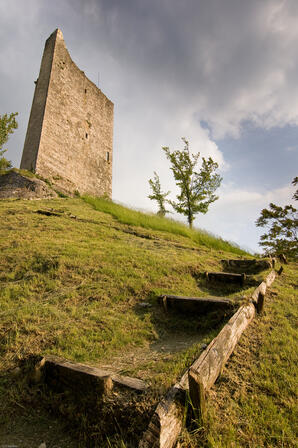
19, 186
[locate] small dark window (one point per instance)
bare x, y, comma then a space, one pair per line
85, 90
107, 156
86, 135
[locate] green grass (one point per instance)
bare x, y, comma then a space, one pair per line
149, 221
73, 285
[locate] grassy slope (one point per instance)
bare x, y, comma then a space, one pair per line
73, 287
254, 403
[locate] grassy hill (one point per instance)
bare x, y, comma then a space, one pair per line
79, 279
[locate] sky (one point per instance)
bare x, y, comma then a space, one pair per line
221, 73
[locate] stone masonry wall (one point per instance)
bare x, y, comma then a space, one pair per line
74, 150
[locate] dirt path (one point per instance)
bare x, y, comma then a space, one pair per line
141, 361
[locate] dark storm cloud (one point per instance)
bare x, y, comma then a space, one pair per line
229, 60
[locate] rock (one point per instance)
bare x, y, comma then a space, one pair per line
19, 186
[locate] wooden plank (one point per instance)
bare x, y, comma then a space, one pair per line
195, 304
226, 277
63, 373
197, 394
212, 360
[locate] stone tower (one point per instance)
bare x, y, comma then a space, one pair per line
69, 138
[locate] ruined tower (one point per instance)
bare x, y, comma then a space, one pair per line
69, 138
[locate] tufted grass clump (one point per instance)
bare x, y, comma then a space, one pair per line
133, 217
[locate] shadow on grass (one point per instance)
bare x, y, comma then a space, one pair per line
221, 289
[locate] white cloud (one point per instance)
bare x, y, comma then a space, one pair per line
233, 216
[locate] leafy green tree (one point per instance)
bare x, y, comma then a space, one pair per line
8, 124
196, 187
158, 195
281, 224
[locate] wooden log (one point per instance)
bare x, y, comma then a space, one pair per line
260, 302
249, 265
165, 303
258, 296
270, 278
197, 394
226, 277
209, 365
166, 423
195, 304
261, 289
61, 373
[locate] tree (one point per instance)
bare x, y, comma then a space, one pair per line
8, 124
158, 195
295, 182
196, 187
281, 224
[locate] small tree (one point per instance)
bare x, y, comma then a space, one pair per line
281, 224
158, 195
7, 125
295, 182
196, 187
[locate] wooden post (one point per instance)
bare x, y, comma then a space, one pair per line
164, 303
260, 302
243, 278
197, 394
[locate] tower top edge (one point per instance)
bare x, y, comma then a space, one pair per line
57, 34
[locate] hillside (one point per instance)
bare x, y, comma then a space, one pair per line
80, 280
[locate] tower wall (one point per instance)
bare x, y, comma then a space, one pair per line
70, 132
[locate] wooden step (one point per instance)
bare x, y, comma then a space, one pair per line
226, 277
249, 266
62, 374
199, 305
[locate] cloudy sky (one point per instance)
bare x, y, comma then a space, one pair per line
222, 73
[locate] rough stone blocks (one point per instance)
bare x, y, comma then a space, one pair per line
69, 138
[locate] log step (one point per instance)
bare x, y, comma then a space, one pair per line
249, 266
61, 373
226, 277
195, 304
